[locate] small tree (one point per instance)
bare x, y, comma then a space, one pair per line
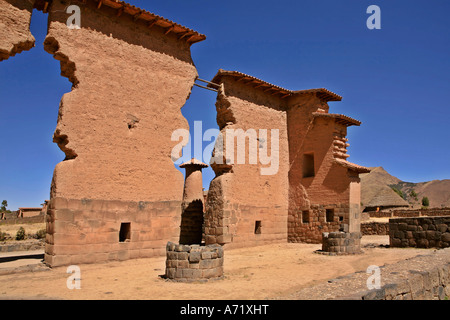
425, 201
4, 205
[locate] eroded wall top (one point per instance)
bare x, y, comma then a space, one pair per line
130, 81
15, 35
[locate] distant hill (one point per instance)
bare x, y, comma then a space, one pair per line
377, 189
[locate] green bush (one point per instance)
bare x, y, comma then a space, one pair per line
3, 236
20, 235
399, 192
425, 201
413, 194
40, 234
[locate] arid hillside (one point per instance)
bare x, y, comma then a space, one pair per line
379, 186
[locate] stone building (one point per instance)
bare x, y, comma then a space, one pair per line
117, 195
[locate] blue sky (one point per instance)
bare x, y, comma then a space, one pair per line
394, 80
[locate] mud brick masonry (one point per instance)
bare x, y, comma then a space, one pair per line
315, 190
117, 195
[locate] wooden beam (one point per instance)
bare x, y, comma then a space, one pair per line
120, 11
170, 29
242, 79
152, 23
137, 16
100, 2
261, 85
184, 35
191, 37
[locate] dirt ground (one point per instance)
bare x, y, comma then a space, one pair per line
250, 274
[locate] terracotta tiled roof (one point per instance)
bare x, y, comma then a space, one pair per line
352, 166
194, 162
339, 118
274, 89
138, 14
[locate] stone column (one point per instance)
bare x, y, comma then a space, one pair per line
191, 230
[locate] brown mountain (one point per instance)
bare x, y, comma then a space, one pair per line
377, 189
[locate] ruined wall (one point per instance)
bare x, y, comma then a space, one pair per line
117, 195
15, 35
244, 206
331, 187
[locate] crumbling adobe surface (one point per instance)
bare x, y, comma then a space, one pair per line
129, 84
240, 195
15, 35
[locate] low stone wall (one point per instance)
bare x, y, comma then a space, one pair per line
420, 232
28, 220
22, 246
187, 263
374, 228
380, 214
341, 243
423, 277
421, 212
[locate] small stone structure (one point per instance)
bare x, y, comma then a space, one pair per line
420, 232
341, 243
186, 263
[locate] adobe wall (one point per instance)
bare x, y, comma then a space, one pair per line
129, 84
240, 195
15, 35
332, 187
422, 232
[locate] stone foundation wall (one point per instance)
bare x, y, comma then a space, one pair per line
341, 243
240, 225
93, 231
374, 228
186, 263
421, 232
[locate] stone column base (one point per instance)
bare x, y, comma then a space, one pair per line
341, 243
190, 263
